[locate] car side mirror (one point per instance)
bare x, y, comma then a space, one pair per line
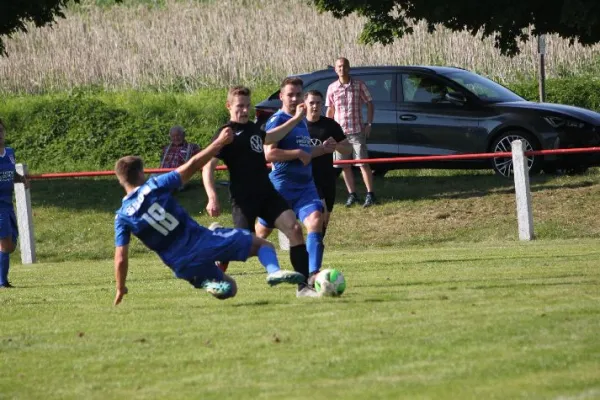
456, 98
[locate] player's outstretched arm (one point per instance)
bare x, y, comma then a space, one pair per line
275, 154
121, 266
277, 133
187, 170
208, 179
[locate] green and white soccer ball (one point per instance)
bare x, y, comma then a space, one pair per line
330, 282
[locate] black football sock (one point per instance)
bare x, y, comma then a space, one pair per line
299, 260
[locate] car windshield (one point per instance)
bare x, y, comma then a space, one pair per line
485, 89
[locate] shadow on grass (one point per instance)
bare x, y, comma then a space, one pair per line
534, 284
257, 303
502, 258
105, 195
463, 185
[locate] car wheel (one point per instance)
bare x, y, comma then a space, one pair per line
503, 166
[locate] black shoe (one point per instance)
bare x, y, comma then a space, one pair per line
7, 285
370, 200
352, 198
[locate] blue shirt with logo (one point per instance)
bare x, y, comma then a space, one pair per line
155, 217
7, 177
291, 174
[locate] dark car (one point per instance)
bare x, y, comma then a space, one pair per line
421, 111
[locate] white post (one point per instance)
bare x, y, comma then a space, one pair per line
522, 192
24, 219
284, 242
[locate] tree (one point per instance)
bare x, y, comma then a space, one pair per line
16, 14
506, 20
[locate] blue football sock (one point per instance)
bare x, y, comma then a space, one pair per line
268, 258
4, 265
314, 246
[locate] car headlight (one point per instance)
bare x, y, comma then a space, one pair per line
561, 122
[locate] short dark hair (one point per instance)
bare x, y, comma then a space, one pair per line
128, 169
177, 128
238, 91
344, 60
291, 80
313, 92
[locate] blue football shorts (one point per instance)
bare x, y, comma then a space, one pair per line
303, 200
8, 224
222, 244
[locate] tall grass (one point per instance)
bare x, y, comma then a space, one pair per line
187, 44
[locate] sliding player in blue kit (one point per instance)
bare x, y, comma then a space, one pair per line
189, 249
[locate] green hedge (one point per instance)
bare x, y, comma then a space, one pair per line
89, 130
581, 91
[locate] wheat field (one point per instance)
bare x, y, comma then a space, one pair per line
187, 44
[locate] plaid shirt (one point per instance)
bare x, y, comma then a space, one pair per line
347, 100
175, 155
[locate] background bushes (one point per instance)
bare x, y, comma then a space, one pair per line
89, 130
581, 91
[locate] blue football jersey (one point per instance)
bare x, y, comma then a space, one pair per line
155, 217
292, 173
7, 177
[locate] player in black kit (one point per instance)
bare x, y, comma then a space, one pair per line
322, 128
252, 194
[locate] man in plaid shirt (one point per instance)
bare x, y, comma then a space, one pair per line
344, 100
179, 151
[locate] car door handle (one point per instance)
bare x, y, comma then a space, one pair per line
408, 117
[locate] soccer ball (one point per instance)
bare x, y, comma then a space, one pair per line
330, 282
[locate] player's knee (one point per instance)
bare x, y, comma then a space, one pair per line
314, 222
296, 231
293, 230
261, 230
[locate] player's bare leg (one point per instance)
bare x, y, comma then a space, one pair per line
289, 226
262, 231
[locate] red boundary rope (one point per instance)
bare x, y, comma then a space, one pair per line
363, 161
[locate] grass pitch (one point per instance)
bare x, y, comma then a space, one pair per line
482, 321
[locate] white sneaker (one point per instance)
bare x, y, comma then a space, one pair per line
307, 292
282, 276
